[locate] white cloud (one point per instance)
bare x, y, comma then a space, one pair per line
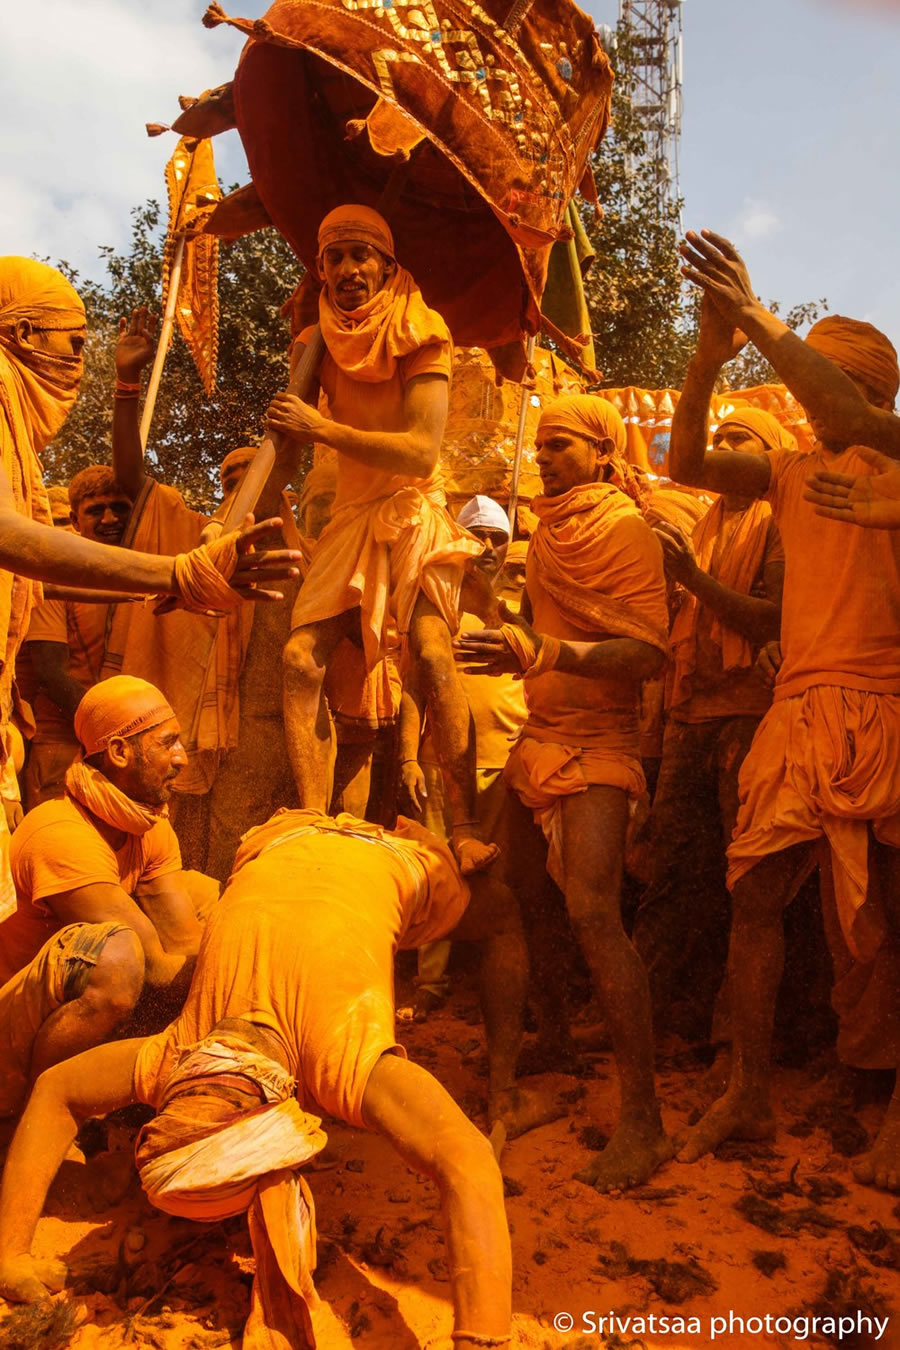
81, 81
756, 221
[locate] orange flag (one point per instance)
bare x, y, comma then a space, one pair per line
193, 192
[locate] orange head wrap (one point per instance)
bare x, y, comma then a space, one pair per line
120, 706
320, 480
861, 351
517, 551
244, 454
355, 222
42, 384
762, 424
596, 419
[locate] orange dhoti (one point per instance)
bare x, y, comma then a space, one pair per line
823, 766
378, 556
543, 773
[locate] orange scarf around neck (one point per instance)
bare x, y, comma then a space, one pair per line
108, 803
368, 342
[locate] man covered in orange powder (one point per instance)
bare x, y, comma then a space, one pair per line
273, 1030
596, 595
391, 549
103, 904
42, 334
822, 768
731, 567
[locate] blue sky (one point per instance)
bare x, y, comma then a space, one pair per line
790, 145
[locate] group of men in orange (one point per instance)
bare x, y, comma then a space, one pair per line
276, 1000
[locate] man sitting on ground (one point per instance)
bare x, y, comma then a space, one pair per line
103, 905
273, 1029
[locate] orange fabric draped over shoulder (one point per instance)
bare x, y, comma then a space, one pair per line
37, 389
737, 567
368, 342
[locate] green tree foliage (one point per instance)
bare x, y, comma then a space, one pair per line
643, 318
191, 433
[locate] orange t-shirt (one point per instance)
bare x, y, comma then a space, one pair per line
60, 846
82, 628
840, 621
377, 406
570, 709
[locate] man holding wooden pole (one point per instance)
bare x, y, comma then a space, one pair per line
391, 548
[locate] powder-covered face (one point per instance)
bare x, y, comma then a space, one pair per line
55, 341
103, 517
145, 766
354, 272
496, 542
566, 460
733, 437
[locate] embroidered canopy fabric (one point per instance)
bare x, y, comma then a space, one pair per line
490, 110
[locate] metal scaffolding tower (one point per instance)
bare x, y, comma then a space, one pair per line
656, 33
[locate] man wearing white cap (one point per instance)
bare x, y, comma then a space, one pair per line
497, 710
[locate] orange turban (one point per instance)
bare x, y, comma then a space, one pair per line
762, 424
244, 454
585, 415
517, 551
120, 706
356, 222
860, 350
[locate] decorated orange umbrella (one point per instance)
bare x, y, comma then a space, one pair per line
470, 124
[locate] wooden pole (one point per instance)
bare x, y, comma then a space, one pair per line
520, 442
250, 487
162, 347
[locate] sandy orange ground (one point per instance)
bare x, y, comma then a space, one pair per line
145, 1280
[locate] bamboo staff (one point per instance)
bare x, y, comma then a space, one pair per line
520, 442
165, 334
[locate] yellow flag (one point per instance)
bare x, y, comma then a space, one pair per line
193, 192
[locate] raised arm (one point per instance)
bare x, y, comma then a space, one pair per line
134, 350
93, 1083
413, 451
830, 397
756, 618
689, 460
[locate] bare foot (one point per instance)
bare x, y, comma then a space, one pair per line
473, 855
26, 1279
632, 1155
522, 1109
734, 1116
881, 1165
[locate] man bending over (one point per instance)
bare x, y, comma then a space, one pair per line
290, 1011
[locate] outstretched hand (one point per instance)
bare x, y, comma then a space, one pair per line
255, 568
487, 652
870, 500
136, 346
712, 263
